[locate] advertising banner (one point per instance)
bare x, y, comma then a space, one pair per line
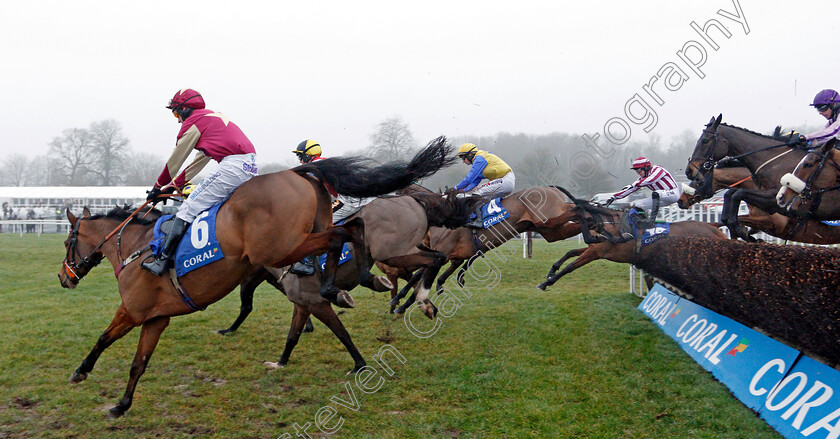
792, 392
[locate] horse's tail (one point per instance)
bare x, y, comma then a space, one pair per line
361, 177
597, 212
450, 212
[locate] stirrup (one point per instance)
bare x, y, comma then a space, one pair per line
156, 266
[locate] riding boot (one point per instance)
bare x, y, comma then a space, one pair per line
476, 222
306, 267
161, 263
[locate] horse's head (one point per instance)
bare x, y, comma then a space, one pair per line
708, 150
817, 173
82, 252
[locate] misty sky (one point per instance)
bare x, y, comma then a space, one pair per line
331, 71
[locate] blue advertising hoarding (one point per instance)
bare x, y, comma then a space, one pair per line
790, 391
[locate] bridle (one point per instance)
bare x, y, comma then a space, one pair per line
71, 268
808, 192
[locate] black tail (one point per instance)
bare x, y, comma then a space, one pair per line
450, 212
361, 177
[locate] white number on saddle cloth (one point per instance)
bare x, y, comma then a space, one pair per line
493, 208
658, 230
200, 234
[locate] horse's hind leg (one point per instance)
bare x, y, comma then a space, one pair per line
453, 265
149, 336
299, 318
570, 254
120, 326
246, 298
413, 281
324, 312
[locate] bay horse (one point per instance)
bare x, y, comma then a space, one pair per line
781, 226
394, 227
767, 157
811, 189
271, 220
608, 222
536, 209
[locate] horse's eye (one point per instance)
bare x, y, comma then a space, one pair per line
808, 165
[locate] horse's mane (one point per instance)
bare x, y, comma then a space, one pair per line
749, 131
147, 216
449, 211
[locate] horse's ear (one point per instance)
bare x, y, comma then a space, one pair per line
72, 218
828, 146
719, 118
85, 212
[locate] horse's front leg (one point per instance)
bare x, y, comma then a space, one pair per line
246, 297
570, 254
120, 326
453, 265
149, 336
418, 274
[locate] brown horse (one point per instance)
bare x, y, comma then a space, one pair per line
608, 222
536, 209
780, 226
767, 157
394, 226
811, 189
292, 208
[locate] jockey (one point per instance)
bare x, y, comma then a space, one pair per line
656, 178
484, 165
307, 151
214, 137
827, 103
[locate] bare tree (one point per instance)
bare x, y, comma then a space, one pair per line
13, 171
43, 171
392, 140
141, 169
110, 146
75, 154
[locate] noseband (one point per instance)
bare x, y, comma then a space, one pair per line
88, 262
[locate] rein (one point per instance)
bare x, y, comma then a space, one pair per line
711, 162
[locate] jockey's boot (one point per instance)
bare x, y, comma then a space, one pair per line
306, 267
161, 262
476, 222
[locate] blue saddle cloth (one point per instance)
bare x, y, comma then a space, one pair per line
493, 213
345, 256
832, 223
652, 234
198, 247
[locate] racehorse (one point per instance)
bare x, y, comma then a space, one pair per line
536, 209
394, 226
271, 220
811, 190
780, 226
608, 223
767, 158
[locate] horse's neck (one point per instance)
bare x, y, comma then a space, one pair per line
726, 177
762, 162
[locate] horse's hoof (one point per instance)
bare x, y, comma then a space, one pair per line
224, 332
344, 300
77, 377
272, 365
542, 286
382, 284
355, 369
115, 412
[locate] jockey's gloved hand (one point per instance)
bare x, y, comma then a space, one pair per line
797, 140
609, 201
154, 193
